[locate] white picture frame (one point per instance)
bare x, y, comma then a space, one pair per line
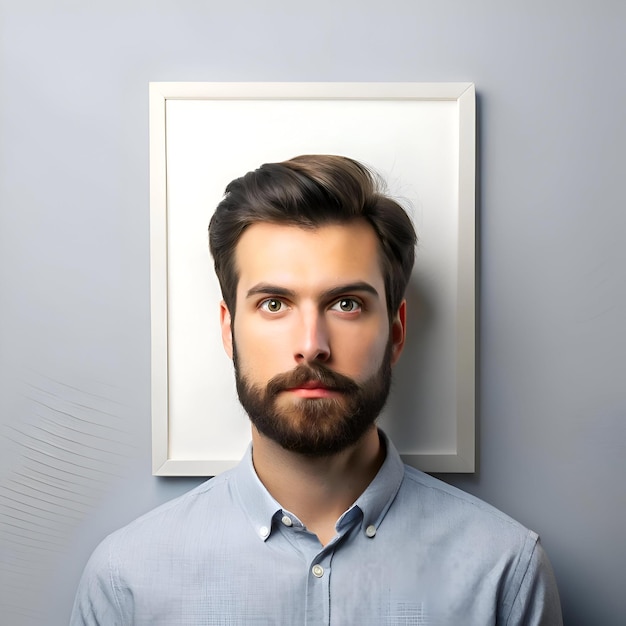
421, 138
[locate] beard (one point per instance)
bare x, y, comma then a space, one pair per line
315, 427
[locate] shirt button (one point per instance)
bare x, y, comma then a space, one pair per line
286, 520
318, 571
370, 531
264, 532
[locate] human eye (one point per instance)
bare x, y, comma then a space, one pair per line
272, 305
347, 305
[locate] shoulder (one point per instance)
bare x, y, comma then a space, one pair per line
451, 503
458, 530
163, 525
478, 542
127, 558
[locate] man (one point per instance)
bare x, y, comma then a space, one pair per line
321, 523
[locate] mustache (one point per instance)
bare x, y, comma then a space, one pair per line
308, 373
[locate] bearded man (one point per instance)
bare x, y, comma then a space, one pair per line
321, 523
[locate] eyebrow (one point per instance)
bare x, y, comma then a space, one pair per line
274, 290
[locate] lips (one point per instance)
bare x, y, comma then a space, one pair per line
311, 384
313, 390
311, 381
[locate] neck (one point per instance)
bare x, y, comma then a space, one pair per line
317, 490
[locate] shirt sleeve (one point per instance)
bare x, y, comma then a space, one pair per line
537, 602
96, 602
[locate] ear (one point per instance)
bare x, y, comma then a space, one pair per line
398, 333
227, 330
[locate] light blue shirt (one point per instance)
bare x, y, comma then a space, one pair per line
411, 550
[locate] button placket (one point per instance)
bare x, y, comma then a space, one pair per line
318, 589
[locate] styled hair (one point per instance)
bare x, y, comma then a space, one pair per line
311, 191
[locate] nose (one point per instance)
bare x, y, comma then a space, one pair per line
312, 342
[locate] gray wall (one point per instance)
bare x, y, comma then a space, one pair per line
74, 257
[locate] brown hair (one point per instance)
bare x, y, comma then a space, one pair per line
311, 191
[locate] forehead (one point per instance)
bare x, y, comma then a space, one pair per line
332, 253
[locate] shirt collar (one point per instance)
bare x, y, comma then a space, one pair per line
374, 502
380, 493
254, 498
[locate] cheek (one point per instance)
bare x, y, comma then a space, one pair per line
259, 353
361, 350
